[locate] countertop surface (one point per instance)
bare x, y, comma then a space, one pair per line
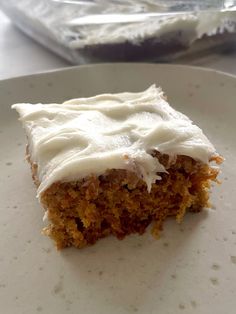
20, 55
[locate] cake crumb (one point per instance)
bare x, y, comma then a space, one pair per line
215, 266
120, 259
214, 281
233, 259
58, 287
181, 306
39, 309
193, 303
47, 250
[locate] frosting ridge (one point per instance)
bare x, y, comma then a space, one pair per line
84, 136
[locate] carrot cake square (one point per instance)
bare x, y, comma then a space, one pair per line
114, 164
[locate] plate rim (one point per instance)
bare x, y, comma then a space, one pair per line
76, 68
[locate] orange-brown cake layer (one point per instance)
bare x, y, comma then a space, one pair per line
118, 203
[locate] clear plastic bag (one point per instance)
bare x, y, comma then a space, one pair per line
84, 31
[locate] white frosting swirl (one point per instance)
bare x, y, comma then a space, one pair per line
87, 136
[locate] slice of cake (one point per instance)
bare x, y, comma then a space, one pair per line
114, 163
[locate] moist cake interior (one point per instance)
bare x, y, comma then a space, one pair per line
118, 202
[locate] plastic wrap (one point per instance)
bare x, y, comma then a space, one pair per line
124, 30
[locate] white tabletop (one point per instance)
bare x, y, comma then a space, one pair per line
20, 55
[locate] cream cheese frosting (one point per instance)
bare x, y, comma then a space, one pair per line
181, 28
85, 136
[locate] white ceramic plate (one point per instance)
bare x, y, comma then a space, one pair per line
192, 269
